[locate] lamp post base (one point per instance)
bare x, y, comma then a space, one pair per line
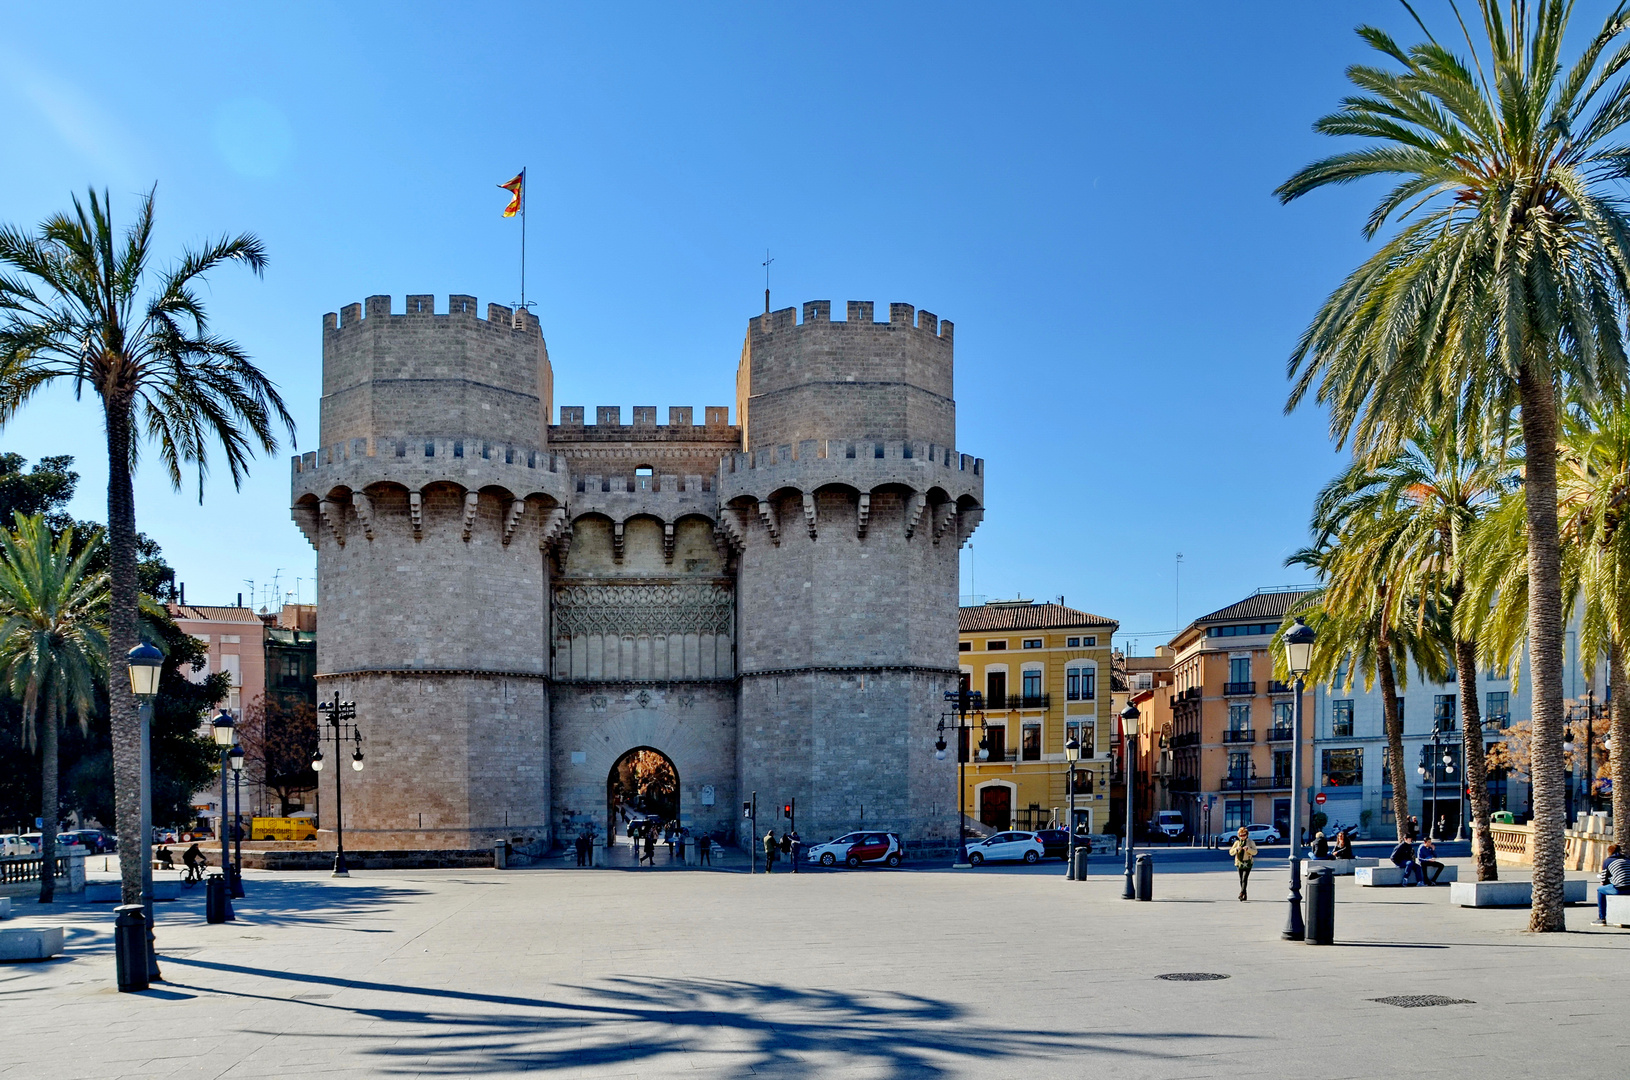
1295, 928
340, 869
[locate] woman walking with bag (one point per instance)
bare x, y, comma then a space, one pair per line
1244, 853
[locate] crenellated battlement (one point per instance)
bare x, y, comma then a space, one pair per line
461, 309
609, 426
858, 315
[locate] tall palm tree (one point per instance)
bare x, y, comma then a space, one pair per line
80, 301
1593, 497
52, 647
1501, 291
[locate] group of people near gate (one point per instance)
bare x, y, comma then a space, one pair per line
786, 846
644, 835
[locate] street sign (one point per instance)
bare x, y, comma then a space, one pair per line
1319, 798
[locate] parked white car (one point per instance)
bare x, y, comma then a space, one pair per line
1007, 847
13, 846
1259, 833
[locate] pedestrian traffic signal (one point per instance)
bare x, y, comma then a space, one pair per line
746, 809
786, 811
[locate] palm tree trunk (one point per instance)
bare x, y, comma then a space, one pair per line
1620, 753
1474, 767
48, 805
123, 597
1393, 725
1547, 771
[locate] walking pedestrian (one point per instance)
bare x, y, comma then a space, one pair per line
650, 846
1244, 852
582, 849
1615, 881
704, 851
1428, 861
769, 851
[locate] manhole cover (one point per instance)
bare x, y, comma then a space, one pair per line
1192, 976
1421, 1001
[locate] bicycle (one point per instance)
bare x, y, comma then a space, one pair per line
193, 875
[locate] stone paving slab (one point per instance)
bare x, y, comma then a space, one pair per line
873, 973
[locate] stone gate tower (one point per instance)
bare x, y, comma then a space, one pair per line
848, 506
517, 607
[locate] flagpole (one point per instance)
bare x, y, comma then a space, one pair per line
523, 238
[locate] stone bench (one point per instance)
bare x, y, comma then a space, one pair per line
1340, 867
1388, 874
109, 892
1515, 893
1618, 908
5, 907
33, 943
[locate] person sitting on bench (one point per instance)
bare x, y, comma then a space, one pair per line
1403, 857
1344, 845
1615, 880
1428, 863
165, 860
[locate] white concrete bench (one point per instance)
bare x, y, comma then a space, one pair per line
1514, 893
1340, 867
5, 907
1388, 874
32, 943
1618, 908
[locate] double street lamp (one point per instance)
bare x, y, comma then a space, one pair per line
1299, 659
224, 730
144, 664
1427, 770
341, 717
964, 702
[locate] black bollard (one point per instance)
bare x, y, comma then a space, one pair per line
217, 900
1321, 906
1081, 853
1145, 878
130, 947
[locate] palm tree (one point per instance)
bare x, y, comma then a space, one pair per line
80, 301
1501, 291
1593, 490
52, 647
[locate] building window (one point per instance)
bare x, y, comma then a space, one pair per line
1499, 708
1089, 642
964, 646
1030, 742
1082, 733
1145, 681
1281, 767
1400, 703
1080, 684
995, 646
1239, 717
1344, 768
996, 740
1443, 712
1032, 642
996, 689
1236, 812
1284, 719
1032, 684
1239, 765
1341, 719
1386, 770
1073, 643
1239, 669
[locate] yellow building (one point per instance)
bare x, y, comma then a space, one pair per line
1044, 673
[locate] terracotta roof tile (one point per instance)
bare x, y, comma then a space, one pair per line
988, 617
1258, 606
212, 614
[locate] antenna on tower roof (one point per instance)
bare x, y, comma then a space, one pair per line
767, 262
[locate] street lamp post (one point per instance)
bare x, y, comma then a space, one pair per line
1129, 736
225, 733
144, 664
1072, 754
1299, 659
341, 716
234, 880
964, 701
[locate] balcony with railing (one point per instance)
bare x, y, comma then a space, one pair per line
1027, 701
1185, 738
1255, 783
1281, 733
1235, 689
1191, 694
1275, 686
1239, 735
1184, 783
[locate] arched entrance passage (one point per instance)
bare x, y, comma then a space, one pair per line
642, 785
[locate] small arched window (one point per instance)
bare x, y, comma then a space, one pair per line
643, 470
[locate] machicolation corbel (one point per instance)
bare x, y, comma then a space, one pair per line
617, 536
667, 541
915, 505
365, 513
554, 524
730, 529
472, 502
331, 518
416, 513
944, 518
517, 507
809, 512
863, 514
766, 513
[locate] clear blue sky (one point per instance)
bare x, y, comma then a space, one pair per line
1084, 189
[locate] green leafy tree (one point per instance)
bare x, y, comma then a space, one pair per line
1502, 289
44, 489
80, 301
52, 647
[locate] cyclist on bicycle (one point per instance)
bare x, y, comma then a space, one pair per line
195, 864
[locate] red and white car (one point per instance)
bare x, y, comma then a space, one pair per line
858, 848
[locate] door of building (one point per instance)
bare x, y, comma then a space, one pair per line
1281, 816
996, 807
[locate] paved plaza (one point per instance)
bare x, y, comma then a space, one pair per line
871, 973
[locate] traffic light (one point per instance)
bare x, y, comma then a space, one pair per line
746, 809
786, 811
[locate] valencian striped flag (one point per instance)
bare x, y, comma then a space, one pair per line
515, 187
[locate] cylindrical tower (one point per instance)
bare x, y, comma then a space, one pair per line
847, 509
430, 505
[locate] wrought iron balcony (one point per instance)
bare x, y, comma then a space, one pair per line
1185, 738
1255, 783
1184, 783
1281, 734
1277, 687
1027, 701
1191, 694
1239, 735
1235, 688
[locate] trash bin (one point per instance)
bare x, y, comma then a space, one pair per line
1502, 817
500, 855
130, 947
1081, 854
1145, 878
217, 902
1321, 906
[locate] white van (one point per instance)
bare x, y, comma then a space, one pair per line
16, 847
1169, 822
